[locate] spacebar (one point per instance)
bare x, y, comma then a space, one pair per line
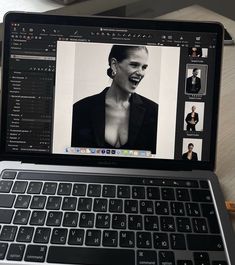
90, 256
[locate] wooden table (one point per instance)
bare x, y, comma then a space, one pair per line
225, 161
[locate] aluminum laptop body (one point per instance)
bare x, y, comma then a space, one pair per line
108, 142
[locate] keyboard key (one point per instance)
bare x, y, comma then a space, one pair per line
38, 218
182, 195
201, 195
70, 219
79, 190
3, 250
94, 190
110, 238
204, 184
143, 240
100, 205
146, 257
6, 200
86, 220
131, 206
208, 211
109, 191
138, 192
219, 262
119, 221
9, 175
19, 187
146, 207
35, 253
54, 218
49, 188
42, 235
201, 258
123, 192
53, 203
5, 186
177, 208
76, 237
38, 202
85, 204
204, 242
25, 234
93, 238
168, 194
16, 252
34, 187
160, 240
177, 241
166, 257
184, 262
6, 216
115, 206
151, 223
8, 233
153, 193
162, 208
22, 201
69, 204
183, 224
135, 222
87, 256
102, 220
167, 224
192, 209
199, 225
64, 189
127, 239
59, 236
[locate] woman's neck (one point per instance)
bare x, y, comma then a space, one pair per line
118, 95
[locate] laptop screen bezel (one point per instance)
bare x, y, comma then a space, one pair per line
83, 160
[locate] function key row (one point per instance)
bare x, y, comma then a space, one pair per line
108, 191
158, 181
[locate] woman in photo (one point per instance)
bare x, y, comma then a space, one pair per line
118, 117
190, 155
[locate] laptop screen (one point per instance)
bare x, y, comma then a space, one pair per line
110, 90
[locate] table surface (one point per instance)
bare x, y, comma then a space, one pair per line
225, 160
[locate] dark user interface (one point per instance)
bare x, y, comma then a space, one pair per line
32, 68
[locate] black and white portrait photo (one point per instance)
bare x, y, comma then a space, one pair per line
117, 116
115, 96
192, 149
194, 116
196, 79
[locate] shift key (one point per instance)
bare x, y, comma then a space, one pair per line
205, 242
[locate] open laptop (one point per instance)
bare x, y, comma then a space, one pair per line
108, 136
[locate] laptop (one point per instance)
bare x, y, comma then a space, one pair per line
108, 136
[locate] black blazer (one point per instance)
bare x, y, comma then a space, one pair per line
88, 126
194, 156
188, 118
193, 89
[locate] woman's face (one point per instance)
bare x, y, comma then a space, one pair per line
130, 71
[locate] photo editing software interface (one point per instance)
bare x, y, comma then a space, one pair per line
80, 90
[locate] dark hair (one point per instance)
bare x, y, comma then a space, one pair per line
195, 69
120, 53
190, 144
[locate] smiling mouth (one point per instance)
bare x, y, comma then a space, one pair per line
135, 81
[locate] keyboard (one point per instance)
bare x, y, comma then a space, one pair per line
100, 220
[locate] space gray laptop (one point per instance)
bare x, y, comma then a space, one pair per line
108, 136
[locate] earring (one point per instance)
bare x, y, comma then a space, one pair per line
113, 73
